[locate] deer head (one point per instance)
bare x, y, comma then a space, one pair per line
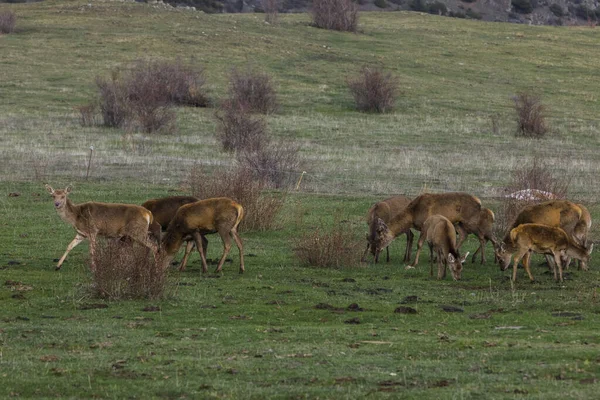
503, 256
380, 237
59, 195
455, 265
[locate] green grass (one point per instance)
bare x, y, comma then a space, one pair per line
259, 335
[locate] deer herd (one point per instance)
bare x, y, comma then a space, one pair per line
555, 228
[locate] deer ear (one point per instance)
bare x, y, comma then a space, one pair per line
49, 188
451, 258
68, 189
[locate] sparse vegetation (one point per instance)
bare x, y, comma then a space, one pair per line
531, 120
252, 91
238, 129
339, 15
557, 10
8, 21
271, 10
522, 6
374, 90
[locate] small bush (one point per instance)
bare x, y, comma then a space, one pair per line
239, 130
339, 15
557, 10
380, 3
260, 207
437, 8
418, 5
271, 10
373, 90
531, 121
472, 14
88, 115
522, 6
112, 99
252, 91
335, 247
274, 164
127, 270
8, 21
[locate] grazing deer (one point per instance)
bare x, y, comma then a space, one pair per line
383, 212
111, 220
441, 237
164, 210
219, 215
563, 214
483, 225
581, 230
459, 208
544, 239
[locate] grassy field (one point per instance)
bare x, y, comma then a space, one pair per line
284, 330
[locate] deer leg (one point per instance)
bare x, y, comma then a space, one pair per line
78, 239
462, 235
526, 263
238, 242
226, 247
409, 241
517, 258
198, 240
441, 265
558, 262
419, 245
188, 249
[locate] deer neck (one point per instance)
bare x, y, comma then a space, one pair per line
68, 212
172, 242
401, 224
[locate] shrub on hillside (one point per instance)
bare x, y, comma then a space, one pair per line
112, 101
8, 21
374, 90
557, 10
334, 247
274, 163
252, 91
522, 6
437, 8
271, 10
531, 121
260, 207
380, 3
339, 15
127, 270
239, 130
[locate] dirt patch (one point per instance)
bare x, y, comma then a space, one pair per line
354, 307
410, 300
350, 280
449, 308
405, 310
151, 308
352, 321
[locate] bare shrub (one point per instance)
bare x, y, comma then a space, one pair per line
531, 121
88, 115
260, 207
531, 184
252, 91
334, 247
112, 100
339, 15
238, 130
8, 21
126, 270
374, 90
272, 163
271, 8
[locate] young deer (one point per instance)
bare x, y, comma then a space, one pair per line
441, 237
483, 225
219, 215
164, 210
544, 239
111, 220
379, 214
459, 208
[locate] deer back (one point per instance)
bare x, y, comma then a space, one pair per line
441, 234
556, 213
111, 219
455, 206
164, 209
539, 238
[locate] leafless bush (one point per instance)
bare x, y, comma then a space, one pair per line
374, 90
88, 115
271, 8
252, 91
238, 130
531, 121
530, 184
112, 101
127, 270
333, 247
8, 21
339, 15
272, 163
260, 207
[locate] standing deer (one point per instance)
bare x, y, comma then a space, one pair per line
483, 230
441, 237
563, 214
383, 212
544, 239
164, 210
219, 215
111, 220
459, 208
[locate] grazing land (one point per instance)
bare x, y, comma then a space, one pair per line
282, 329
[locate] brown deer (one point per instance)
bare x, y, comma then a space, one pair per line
459, 208
383, 212
219, 215
563, 214
544, 239
111, 220
164, 210
483, 230
581, 230
441, 237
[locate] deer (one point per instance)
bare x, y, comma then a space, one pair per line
581, 230
562, 214
441, 238
111, 220
382, 212
459, 208
164, 209
483, 225
544, 239
220, 215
